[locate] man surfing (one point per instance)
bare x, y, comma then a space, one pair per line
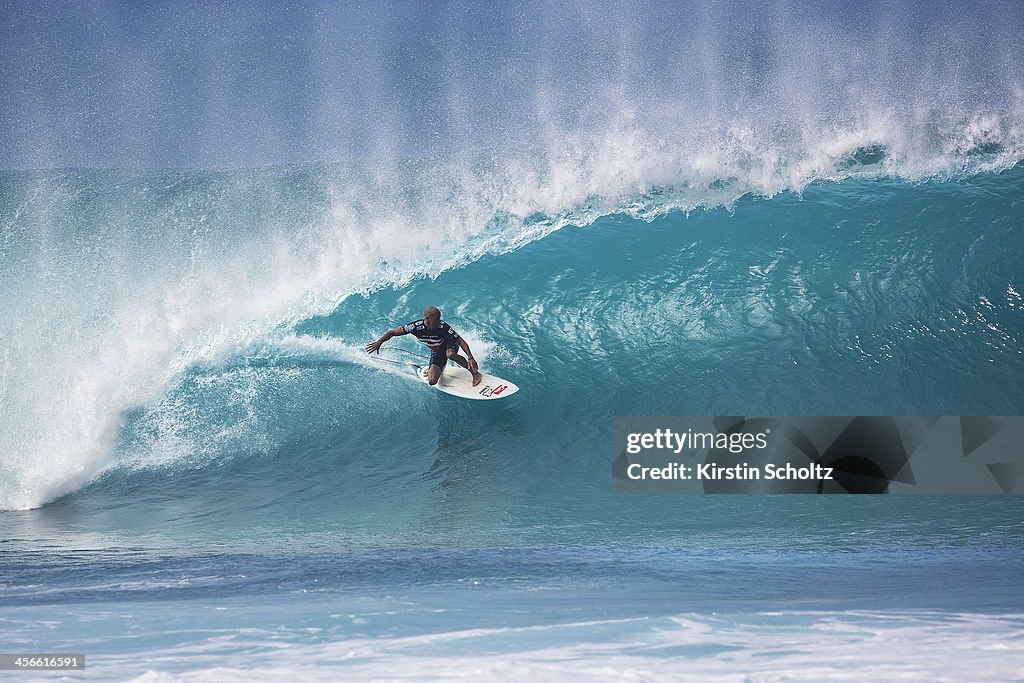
442, 340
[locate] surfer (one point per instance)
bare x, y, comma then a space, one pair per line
442, 340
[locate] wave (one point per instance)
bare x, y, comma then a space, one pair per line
118, 282
121, 281
125, 284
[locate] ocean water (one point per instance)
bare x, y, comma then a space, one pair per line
663, 210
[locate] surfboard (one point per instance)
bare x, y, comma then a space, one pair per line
458, 381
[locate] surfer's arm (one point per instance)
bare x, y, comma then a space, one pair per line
469, 354
375, 346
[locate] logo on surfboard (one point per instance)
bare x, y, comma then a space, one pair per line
493, 391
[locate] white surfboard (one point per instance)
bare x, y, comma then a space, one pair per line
458, 381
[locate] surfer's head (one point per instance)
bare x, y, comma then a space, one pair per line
431, 317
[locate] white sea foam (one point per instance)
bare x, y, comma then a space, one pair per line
764, 647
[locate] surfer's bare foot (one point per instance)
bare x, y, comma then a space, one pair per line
477, 377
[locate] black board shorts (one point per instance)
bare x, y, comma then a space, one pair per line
439, 356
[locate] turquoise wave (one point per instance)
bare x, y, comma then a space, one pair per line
869, 296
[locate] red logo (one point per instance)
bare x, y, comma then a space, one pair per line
500, 389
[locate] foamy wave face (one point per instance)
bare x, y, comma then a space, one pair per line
116, 282
120, 283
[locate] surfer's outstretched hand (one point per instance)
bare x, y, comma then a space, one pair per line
373, 346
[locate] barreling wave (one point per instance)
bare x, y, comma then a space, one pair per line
118, 282
121, 281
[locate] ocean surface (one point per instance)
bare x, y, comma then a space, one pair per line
204, 477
